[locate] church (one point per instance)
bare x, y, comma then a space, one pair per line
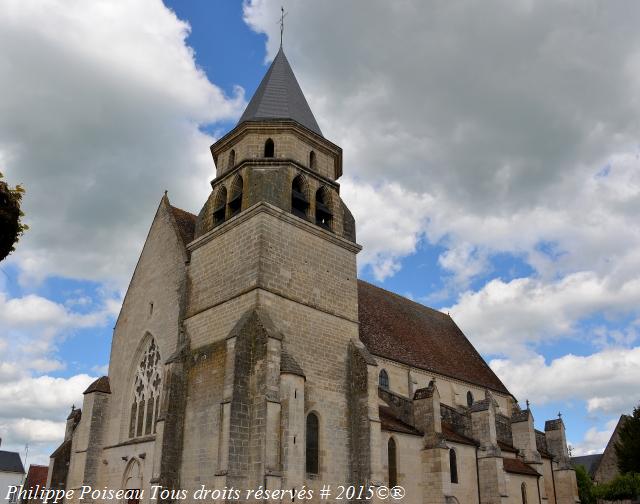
248, 354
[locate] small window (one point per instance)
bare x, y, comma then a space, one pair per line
392, 463
299, 199
469, 399
523, 489
235, 200
312, 453
219, 206
453, 465
324, 215
383, 379
232, 159
269, 148
312, 160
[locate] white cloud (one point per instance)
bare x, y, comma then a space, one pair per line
505, 317
607, 381
105, 109
594, 440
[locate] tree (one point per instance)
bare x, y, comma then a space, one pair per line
628, 445
10, 226
585, 486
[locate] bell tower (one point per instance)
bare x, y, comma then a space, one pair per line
272, 301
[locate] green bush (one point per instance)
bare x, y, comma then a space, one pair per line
625, 486
585, 486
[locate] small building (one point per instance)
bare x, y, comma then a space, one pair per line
34, 484
11, 473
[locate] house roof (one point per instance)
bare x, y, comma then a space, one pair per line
11, 462
37, 475
589, 462
279, 97
517, 466
399, 329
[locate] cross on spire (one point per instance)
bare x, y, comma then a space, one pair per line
282, 16
527, 401
560, 415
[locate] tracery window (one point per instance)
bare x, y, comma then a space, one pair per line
383, 379
146, 393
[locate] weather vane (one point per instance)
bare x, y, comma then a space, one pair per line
281, 21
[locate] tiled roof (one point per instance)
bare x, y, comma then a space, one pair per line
589, 462
100, 385
455, 437
517, 466
10, 462
392, 423
186, 223
507, 447
279, 97
396, 328
37, 475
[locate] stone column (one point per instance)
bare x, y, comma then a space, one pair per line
493, 486
524, 439
565, 476
436, 473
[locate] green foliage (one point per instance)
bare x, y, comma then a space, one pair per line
628, 445
625, 486
585, 486
10, 226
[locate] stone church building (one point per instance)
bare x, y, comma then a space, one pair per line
248, 353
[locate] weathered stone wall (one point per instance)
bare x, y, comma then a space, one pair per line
466, 490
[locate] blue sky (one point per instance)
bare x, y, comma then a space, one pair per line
503, 192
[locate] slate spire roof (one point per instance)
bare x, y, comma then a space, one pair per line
279, 97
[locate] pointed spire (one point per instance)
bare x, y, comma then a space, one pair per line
279, 97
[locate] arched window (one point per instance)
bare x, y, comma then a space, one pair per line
312, 453
523, 489
219, 205
299, 198
392, 463
469, 399
235, 200
232, 159
324, 216
146, 393
269, 148
453, 465
312, 160
383, 379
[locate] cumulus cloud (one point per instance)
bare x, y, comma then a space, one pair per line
594, 441
607, 381
105, 113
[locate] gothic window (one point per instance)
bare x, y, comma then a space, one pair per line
232, 159
146, 393
299, 198
469, 399
312, 453
523, 489
269, 148
219, 205
383, 379
392, 463
235, 200
312, 160
324, 216
453, 465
